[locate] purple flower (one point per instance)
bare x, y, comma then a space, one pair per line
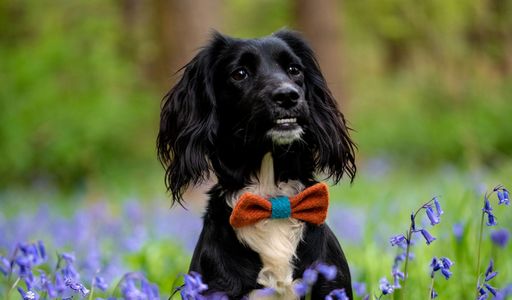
491, 219
491, 289
385, 287
300, 288
337, 294
483, 294
436, 265
503, 197
359, 288
265, 292
29, 295
439, 211
413, 223
433, 294
489, 272
487, 205
500, 237
329, 272
428, 238
431, 216
5, 266
100, 283
446, 273
193, 286
458, 231
447, 263
310, 276
77, 287
397, 276
397, 239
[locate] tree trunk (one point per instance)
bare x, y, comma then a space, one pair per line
320, 23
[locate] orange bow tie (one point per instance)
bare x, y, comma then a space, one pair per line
310, 205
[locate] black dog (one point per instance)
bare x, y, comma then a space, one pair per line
258, 114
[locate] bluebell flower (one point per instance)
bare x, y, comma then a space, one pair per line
385, 287
491, 289
5, 266
193, 286
100, 283
487, 205
504, 293
489, 272
436, 265
458, 231
397, 276
359, 288
338, 294
77, 287
500, 237
446, 273
428, 237
300, 288
439, 210
310, 276
413, 222
431, 216
397, 239
447, 263
29, 295
42, 250
329, 272
482, 294
491, 219
433, 294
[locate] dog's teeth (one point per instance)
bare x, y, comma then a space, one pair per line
289, 120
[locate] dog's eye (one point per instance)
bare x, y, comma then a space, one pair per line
294, 70
239, 74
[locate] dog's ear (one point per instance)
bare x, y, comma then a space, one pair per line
188, 122
334, 148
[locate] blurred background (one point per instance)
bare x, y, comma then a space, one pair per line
423, 84
426, 86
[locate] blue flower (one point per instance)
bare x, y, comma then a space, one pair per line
193, 286
500, 237
300, 288
491, 219
100, 283
439, 211
77, 287
447, 263
428, 237
329, 272
433, 294
338, 294
431, 216
265, 292
487, 205
489, 272
385, 287
29, 295
5, 266
310, 276
359, 288
503, 197
491, 289
458, 231
397, 239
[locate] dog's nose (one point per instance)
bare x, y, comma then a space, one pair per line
286, 96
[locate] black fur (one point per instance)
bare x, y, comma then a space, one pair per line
213, 122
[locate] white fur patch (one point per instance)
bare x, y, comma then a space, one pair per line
274, 240
285, 137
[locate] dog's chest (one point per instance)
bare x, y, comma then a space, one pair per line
275, 240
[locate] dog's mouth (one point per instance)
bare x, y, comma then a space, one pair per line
285, 131
285, 124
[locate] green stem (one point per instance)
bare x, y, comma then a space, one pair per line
431, 288
12, 288
409, 236
478, 252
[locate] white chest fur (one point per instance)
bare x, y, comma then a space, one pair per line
274, 240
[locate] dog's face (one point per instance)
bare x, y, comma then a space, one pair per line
261, 91
240, 98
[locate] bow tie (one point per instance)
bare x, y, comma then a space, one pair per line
309, 205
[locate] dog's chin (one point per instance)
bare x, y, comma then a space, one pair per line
285, 131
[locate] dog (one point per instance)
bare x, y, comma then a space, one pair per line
256, 113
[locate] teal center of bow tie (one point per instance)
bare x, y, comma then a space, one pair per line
281, 208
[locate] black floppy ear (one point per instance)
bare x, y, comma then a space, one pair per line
334, 148
188, 122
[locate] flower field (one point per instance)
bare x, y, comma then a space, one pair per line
139, 248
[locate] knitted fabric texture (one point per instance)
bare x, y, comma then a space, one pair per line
309, 205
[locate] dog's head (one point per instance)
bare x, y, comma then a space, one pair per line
238, 99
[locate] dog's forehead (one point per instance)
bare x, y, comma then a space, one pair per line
266, 46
